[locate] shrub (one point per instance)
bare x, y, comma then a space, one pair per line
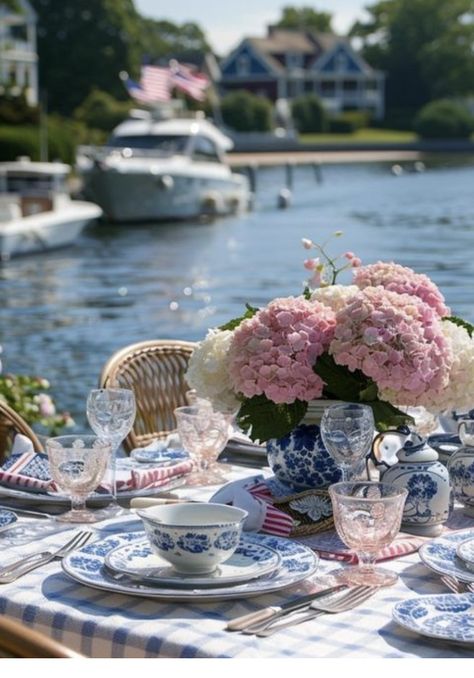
101, 111
309, 114
444, 119
15, 110
246, 112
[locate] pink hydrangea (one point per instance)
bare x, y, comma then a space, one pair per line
401, 279
273, 352
397, 341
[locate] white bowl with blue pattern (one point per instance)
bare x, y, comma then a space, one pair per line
193, 537
447, 616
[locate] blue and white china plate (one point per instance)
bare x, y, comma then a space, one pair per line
164, 456
440, 555
449, 616
465, 552
139, 561
7, 518
87, 566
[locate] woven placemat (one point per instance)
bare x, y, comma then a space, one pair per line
311, 510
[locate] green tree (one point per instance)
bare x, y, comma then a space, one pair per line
444, 119
309, 114
163, 39
246, 112
424, 46
305, 18
101, 111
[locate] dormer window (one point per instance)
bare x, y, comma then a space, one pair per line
293, 60
243, 65
341, 62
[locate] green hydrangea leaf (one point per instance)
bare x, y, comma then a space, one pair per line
262, 419
232, 324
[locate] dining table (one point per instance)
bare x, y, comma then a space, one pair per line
111, 623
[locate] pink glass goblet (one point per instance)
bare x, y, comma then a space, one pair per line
367, 517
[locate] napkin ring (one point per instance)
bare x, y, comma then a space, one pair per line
311, 511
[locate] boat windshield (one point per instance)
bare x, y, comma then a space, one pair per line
164, 144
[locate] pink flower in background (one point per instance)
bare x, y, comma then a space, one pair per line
46, 405
397, 278
273, 352
396, 340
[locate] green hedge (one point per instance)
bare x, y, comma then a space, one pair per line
444, 119
349, 122
309, 114
243, 111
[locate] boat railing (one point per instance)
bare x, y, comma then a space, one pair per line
100, 153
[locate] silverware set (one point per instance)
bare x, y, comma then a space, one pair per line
457, 586
17, 569
330, 601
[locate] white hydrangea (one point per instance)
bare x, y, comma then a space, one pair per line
207, 371
459, 394
334, 296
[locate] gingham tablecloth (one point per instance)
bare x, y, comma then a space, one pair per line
103, 624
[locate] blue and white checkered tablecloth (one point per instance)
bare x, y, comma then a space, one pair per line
104, 624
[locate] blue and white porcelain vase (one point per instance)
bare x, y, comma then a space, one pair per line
300, 459
405, 459
461, 467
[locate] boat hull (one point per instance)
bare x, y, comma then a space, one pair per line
144, 196
47, 230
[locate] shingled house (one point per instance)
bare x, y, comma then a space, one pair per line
288, 63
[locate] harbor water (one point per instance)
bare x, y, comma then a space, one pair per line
63, 313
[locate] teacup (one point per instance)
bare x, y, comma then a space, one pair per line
193, 537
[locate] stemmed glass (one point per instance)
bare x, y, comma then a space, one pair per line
77, 465
347, 431
204, 433
111, 413
367, 517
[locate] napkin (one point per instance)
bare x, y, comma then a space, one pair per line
29, 470
254, 496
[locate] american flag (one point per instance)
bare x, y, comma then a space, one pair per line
154, 85
194, 84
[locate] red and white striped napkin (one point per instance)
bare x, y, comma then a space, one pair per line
253, 495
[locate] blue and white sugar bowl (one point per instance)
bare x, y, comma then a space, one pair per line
461, 467
405, 459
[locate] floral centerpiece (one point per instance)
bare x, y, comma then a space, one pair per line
388, 340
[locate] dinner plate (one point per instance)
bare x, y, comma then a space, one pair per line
6, 518
465, 551
440, 555
157, 457
139, 561
87, 566
448, 616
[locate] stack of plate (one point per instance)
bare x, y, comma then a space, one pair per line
449, 616
126, 563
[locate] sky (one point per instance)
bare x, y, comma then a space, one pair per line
225, 22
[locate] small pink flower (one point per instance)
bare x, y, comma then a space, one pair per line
356, 262
349, 255
307, 243
311, 264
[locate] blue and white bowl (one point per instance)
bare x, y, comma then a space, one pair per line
301, 460
194, 537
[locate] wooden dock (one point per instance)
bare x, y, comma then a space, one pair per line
269, 159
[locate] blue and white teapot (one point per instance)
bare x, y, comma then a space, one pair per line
461, 466
405, 459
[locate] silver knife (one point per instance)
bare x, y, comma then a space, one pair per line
25, 512
240, 623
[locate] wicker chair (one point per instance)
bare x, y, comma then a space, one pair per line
12, 423
155, 371
17, 640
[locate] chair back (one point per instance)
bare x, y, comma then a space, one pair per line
17, 640
155, 371
12, 423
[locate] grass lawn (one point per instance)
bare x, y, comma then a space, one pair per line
369, 134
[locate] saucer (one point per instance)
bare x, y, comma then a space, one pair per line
465, 551
449, 616
440, 555
138, 561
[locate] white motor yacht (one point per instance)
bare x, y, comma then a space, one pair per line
163, 169
36, 209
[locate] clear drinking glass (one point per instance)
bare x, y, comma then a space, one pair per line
347, 431
367, 517
204, 433
77, 465
111, 413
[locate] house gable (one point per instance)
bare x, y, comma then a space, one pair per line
340, 59
245, 61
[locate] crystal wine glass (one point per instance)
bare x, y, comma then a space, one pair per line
111, 413
347, 431
367, 516
204, 433
77, 465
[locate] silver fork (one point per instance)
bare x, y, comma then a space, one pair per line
331, 605
457, 586
14, 571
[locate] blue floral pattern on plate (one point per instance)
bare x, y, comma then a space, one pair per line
87, 566
465, 551
447, 616
6, 518
440, 555
139, 561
